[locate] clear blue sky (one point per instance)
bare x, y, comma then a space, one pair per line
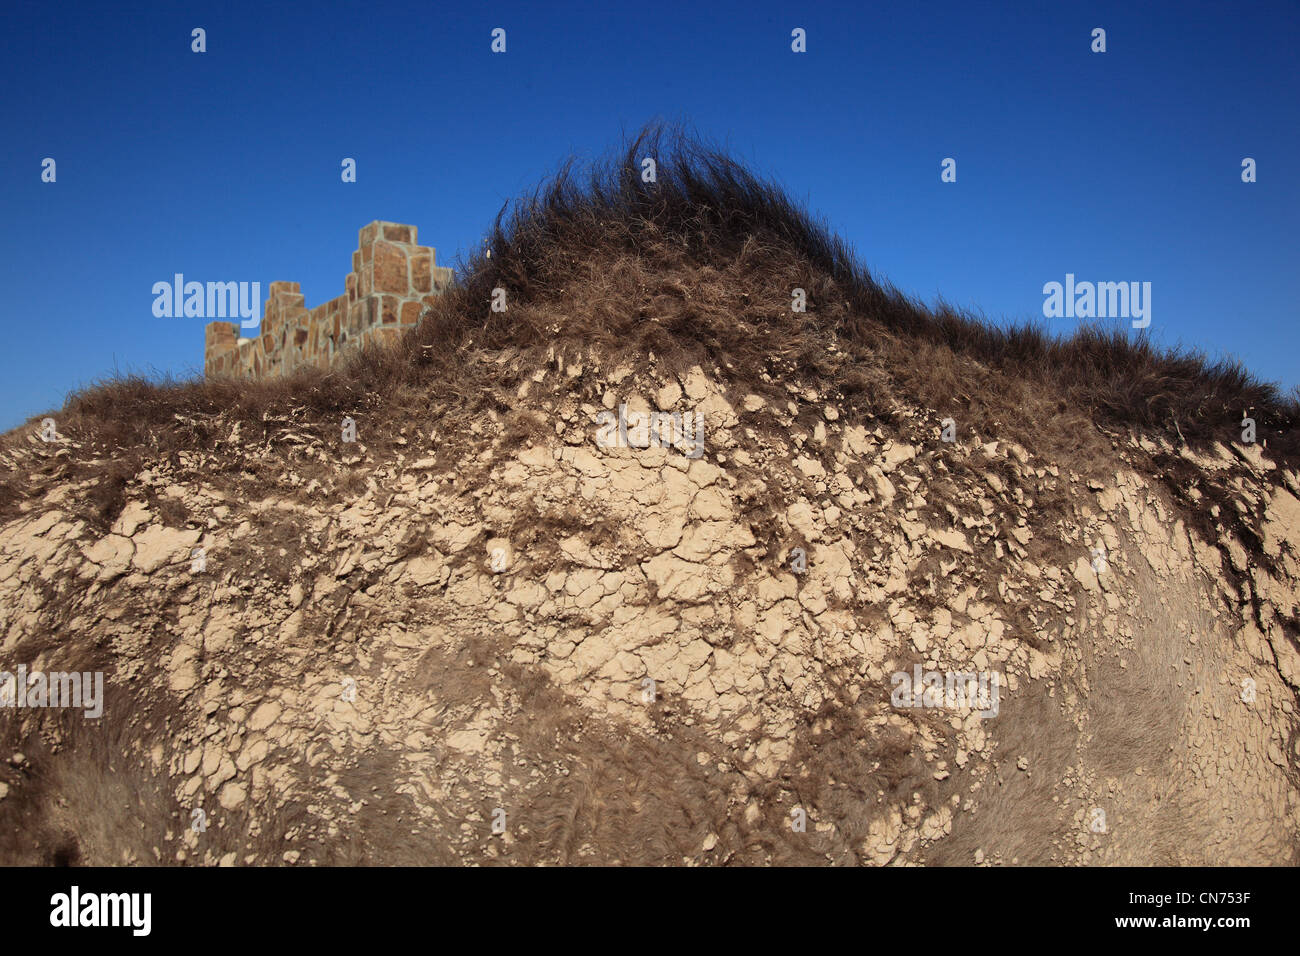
224, 166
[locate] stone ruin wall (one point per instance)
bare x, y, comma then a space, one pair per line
392, 281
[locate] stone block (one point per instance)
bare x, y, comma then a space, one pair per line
391, 271
421, 271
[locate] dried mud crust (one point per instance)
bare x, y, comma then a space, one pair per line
499, 641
